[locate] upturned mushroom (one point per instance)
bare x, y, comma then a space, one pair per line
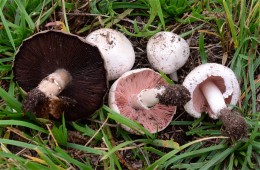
116, 50
214, 89
61, 73
144, 96
167, 52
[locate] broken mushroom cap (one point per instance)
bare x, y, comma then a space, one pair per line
60, 72
116, 50
201, 79
167, 52
130, 96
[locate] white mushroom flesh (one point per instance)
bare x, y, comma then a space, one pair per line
147, 98
54, 83
213, 96
116, 50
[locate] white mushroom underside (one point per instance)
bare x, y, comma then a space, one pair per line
228, 82
213, 96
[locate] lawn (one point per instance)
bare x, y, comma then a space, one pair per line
219, 31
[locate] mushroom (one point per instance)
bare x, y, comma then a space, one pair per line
116, 50
144, 96
214, 89
167, 52
61, 73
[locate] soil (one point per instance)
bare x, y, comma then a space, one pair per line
234, 125
175, 95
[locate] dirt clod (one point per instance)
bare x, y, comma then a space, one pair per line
36, 102
176, 95
234, 125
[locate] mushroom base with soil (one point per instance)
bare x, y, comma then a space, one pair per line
176, 95
234, 125
44, 100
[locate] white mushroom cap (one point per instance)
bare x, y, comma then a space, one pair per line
116, 49
223, 77
121, 99
167, 52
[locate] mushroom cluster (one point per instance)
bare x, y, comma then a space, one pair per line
61, 73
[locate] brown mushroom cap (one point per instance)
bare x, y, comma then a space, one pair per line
154, 119
47, 51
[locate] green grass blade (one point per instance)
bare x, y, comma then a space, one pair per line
165, 77
65, 16
12, 156
24, 12
203, 54
22, 123
6, 25
197, 153
87, 131
113, 150
10, 100
85, 149
231, 24
160, 13
48, 161
65, 155
18, 143
153, 150
125, 121
169, 155
33, 166
136, 5
252, 83
221, 156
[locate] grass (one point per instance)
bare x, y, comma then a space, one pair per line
224, 31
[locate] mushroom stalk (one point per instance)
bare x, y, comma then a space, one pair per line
234, 125
174, 76
174, 95
214, 96
54, 83
43, 99
147, 98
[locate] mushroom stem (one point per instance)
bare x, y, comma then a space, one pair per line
174, 76
53, 84
234, 125
173, 95
147, 98
213, 96
45, 94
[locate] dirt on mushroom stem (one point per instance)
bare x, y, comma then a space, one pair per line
44, 100
234, 125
